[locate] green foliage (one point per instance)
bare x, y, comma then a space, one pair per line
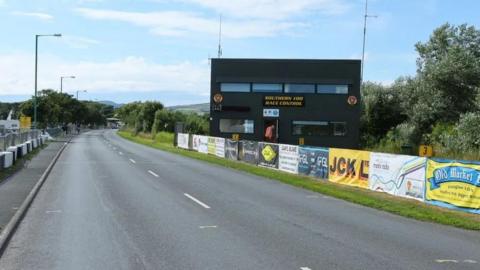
439, 106
55, 108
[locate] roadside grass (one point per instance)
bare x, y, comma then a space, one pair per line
382, 201
20, 163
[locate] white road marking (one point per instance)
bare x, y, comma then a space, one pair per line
120, 153
208, 227
133, 161
152, 173
469, 261
446, 261
114, 148
305, 268
196, 200
53, 211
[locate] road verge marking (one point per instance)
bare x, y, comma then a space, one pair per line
196, 200
133, 161
152, 173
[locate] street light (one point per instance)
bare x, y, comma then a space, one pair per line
83, 91
36, 65
61, 81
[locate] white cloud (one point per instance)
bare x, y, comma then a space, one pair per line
37, 15
131, 74
272, 9
77, 42
177, 23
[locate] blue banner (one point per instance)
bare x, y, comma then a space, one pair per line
454, 174
313, 162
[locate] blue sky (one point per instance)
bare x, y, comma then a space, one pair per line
127, 50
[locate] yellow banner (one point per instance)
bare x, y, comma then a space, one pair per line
349, 167
212, 147
453, 184
25, 122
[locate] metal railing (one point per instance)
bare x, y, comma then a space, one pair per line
12, 139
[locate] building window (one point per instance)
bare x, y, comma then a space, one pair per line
332, 88
242, 126
299, 88
319, 128
267, 87
235, 87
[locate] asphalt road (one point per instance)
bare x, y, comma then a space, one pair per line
113, 204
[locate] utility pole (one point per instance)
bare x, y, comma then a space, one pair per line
220, 38
366, 16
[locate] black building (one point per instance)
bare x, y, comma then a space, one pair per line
314, 102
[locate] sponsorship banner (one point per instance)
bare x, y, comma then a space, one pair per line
203, 144
398, 175
288, 158
212, 146
182, 140
220, 147
231, 149
248, 151
268, 155
313, 161
453, 184
195, 142
348, 167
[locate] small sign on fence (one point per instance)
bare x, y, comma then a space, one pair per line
425, 151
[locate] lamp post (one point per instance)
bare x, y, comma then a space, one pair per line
61, 81
83, 91
366, 16
36, 66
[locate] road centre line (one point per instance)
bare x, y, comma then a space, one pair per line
196, 200
133, 161
152, 173
208, 227
305, 268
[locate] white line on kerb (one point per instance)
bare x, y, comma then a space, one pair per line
133, 161
152, 173
196, 200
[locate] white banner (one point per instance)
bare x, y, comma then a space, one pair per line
195, 142
398, 175
220, 147
203, 144
182, 140
288, 158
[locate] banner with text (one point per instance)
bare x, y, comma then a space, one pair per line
203, 144
268, 155
248, 151
182, 140
220, 147
288, 158
212, 147
349, 167
195, 142
453, 184
231, 149
313, 161
398, 175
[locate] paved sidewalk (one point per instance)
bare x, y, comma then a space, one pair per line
15, 188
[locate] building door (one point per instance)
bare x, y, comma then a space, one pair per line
270, 130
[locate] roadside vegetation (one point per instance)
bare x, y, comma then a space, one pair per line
377, 200
56, 109
439, 106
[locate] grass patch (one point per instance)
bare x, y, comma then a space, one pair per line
20, 163
382, 201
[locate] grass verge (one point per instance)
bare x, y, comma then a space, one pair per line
20, 163
382, 201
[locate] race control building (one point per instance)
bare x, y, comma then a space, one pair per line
311, 102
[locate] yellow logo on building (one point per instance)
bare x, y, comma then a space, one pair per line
268, 153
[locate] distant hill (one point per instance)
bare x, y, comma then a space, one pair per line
202, 108
111, 103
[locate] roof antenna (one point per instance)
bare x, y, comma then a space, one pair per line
220, 38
